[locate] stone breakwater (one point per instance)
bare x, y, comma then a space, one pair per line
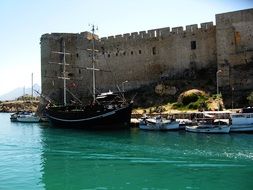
13, 106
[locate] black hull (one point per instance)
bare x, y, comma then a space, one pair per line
93, 118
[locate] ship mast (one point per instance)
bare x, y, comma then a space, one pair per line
93, 65
64, 77
32, 87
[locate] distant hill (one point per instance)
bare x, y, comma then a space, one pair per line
14, 94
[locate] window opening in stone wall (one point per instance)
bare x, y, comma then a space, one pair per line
70, 74
154, 50
132, 52
108, 55
124, 53
237, 38
80, 71
193, 45
116, 54
139, 51
77, 55
103, 50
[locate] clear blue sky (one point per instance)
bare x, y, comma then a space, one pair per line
24, 21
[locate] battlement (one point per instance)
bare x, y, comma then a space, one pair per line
160, 32
141, 35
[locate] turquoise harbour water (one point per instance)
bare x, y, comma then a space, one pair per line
36, 156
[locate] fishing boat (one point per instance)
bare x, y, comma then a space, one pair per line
107, 111
158, 123
242, 121
209, 125
25, 117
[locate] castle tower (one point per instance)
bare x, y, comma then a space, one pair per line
235, 49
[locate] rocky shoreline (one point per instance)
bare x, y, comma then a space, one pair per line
19, 105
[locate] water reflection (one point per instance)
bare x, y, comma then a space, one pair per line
20, 159
36, 156
75, 159
135, 159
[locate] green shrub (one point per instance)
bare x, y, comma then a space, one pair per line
189, 99
177, 105
199, 104
193, 105
250, 98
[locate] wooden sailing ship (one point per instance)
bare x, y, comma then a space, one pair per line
107, 110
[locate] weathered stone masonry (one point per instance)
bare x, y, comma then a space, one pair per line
145, 57
234, 36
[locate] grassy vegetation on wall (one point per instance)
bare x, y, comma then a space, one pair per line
192, 99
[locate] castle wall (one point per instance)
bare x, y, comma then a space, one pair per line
235, 49
148, 56
143, 57
139, 58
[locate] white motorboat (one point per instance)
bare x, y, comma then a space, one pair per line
158, 123
25, 117
183, 123
209, 125
242, 121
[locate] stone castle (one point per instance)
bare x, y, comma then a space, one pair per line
145, 57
